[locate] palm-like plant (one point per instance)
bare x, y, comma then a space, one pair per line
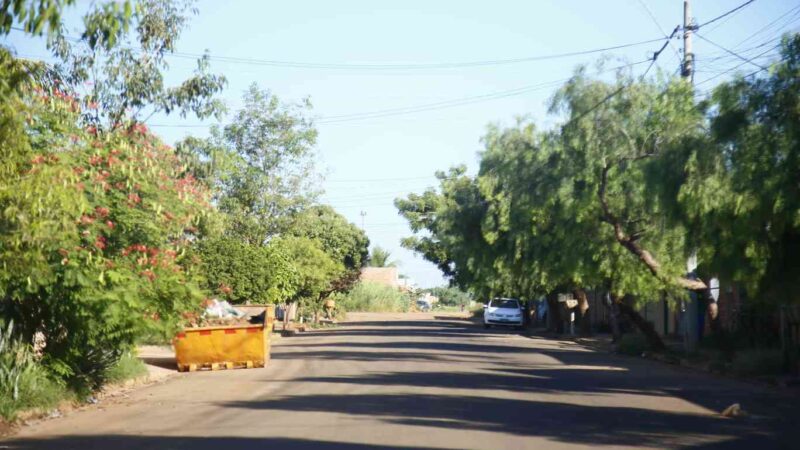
379, 257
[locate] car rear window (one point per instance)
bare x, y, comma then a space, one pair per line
505, 303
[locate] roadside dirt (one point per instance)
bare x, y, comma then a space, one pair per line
160, 363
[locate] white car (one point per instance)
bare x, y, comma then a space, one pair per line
502, 311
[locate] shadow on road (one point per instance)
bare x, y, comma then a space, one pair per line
565, 422
511, 387
587, 373
125, 442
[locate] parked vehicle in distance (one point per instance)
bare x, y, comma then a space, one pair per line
502, 311
423, 306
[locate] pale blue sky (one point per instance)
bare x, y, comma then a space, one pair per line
371, 161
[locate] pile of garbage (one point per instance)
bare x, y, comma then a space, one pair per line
220, 313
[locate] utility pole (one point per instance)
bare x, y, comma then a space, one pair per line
687, 71
689, 308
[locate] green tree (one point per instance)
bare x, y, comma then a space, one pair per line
244, 273
261, 165
571, 207
121, 57
740, 193
450, 296
315, 270
343, 241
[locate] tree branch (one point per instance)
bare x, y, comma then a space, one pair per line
630, 242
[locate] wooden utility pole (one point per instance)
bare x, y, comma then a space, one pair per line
688, 57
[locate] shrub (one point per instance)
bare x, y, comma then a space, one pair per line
127, 367
240, 272
373, 297
93, 237
24, 383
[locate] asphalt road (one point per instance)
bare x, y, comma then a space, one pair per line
407, 381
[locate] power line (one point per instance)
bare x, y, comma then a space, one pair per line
740, 65
428, 106
697, 27
414, 66
730, 52
369, 180
622, 88
658, 52
409, 66
660, 28
439, 105
769, 25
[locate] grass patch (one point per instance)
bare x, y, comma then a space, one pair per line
372, 297
24, 382
128, 367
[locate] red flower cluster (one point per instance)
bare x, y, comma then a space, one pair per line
140, 248
225, 289
40, 159
149, 274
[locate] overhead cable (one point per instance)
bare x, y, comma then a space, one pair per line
730, 52
724, 14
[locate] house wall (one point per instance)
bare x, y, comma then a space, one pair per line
387, 276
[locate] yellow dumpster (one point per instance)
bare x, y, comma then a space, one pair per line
226, 347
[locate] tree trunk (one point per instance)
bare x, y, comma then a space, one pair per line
613, 317
554, 322
655, 341
582, 312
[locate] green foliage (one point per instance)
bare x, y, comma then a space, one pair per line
24, 383
635, 179
741, 194
450, 296
315, 269
128, 367
341, 240
567, 207
380, 258
260, 165
240, 272
33, 15
373, 297
454, 241
121, 56
92, 236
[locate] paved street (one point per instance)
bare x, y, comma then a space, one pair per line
410, 381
